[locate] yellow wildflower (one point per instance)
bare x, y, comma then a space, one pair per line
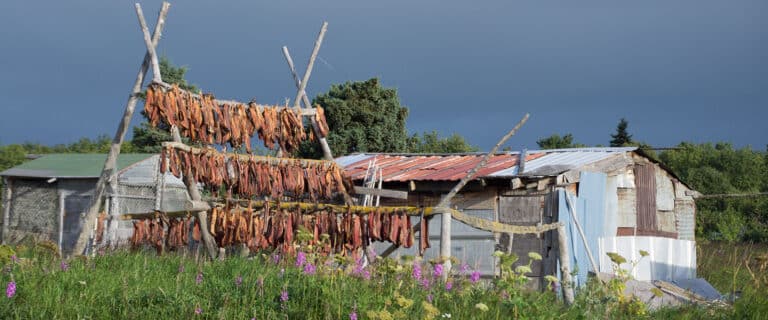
482, 307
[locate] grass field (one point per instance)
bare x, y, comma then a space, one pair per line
142, 285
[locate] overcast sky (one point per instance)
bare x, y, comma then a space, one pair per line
694, 70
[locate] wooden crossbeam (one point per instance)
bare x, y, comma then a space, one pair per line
245, 157
300, 111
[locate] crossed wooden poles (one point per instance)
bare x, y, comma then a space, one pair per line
109, 171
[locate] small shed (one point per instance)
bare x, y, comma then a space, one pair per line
45, 197
624, 200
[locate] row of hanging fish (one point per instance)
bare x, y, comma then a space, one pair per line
203, 119
268, 228
162, 233
258, 176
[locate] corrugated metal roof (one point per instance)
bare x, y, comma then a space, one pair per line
70, 165
447, 167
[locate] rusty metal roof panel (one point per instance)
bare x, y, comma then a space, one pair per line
452, 167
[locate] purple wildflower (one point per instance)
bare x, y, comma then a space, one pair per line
353, 315
430, 298
10, 290
276, 258
199, 278
416, 272
425, 283
464, 269
438, 270
64, 265
284, 296
238, 280
367, 275
14, 259
309, 269
301, 258
448, 286
475, 276
198, 310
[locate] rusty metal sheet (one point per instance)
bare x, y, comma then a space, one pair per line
645, 179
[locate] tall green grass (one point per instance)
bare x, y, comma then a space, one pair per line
142, 285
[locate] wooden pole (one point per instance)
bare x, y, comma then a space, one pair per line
149, 43
111, 163
311, 64
62, 209
572, 211
445, 233
202, 215
6, 208
323, 142
565, 265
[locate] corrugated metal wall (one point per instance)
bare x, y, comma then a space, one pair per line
645, 179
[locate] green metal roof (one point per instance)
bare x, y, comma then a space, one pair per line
71, 165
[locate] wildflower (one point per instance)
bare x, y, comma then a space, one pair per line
475, 277
276, 258
448, 286
438, 270
198, 310
430, 311
14, 259
464, 269
482, 307
367, 275
199, 278
282, 272
523, 269
416, 272
430, 297
446, 315
309, 269
10, 290
284, 296
404, 302
301, 258
353, 315
64, 266
534, 256
550, 278
425, 283
181, 268
238, 280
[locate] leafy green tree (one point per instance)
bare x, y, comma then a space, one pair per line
148, 139
556, 141
621, 138
722, 169
431, 142
362, 117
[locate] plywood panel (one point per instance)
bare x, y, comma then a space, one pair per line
520, 210
474, 200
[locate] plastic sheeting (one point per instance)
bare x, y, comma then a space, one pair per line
668, 259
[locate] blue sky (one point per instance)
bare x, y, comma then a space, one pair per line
690, 70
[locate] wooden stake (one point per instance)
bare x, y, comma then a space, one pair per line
110, 164
565, 265
323, 142
311, 64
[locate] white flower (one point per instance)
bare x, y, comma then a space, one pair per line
482, 307
446, 315
523, 269
534, 256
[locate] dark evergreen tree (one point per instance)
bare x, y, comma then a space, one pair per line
622, 138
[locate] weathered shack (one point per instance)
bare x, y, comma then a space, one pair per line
44, 198
624, 200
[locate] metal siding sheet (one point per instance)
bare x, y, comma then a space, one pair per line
611, 207
645, 179
686, 219
665, 191
591, 203
627, 208
668, 259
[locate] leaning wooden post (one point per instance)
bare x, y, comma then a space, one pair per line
445, 237
202, 215
111, 163
6, 208
565, 265
323, 141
